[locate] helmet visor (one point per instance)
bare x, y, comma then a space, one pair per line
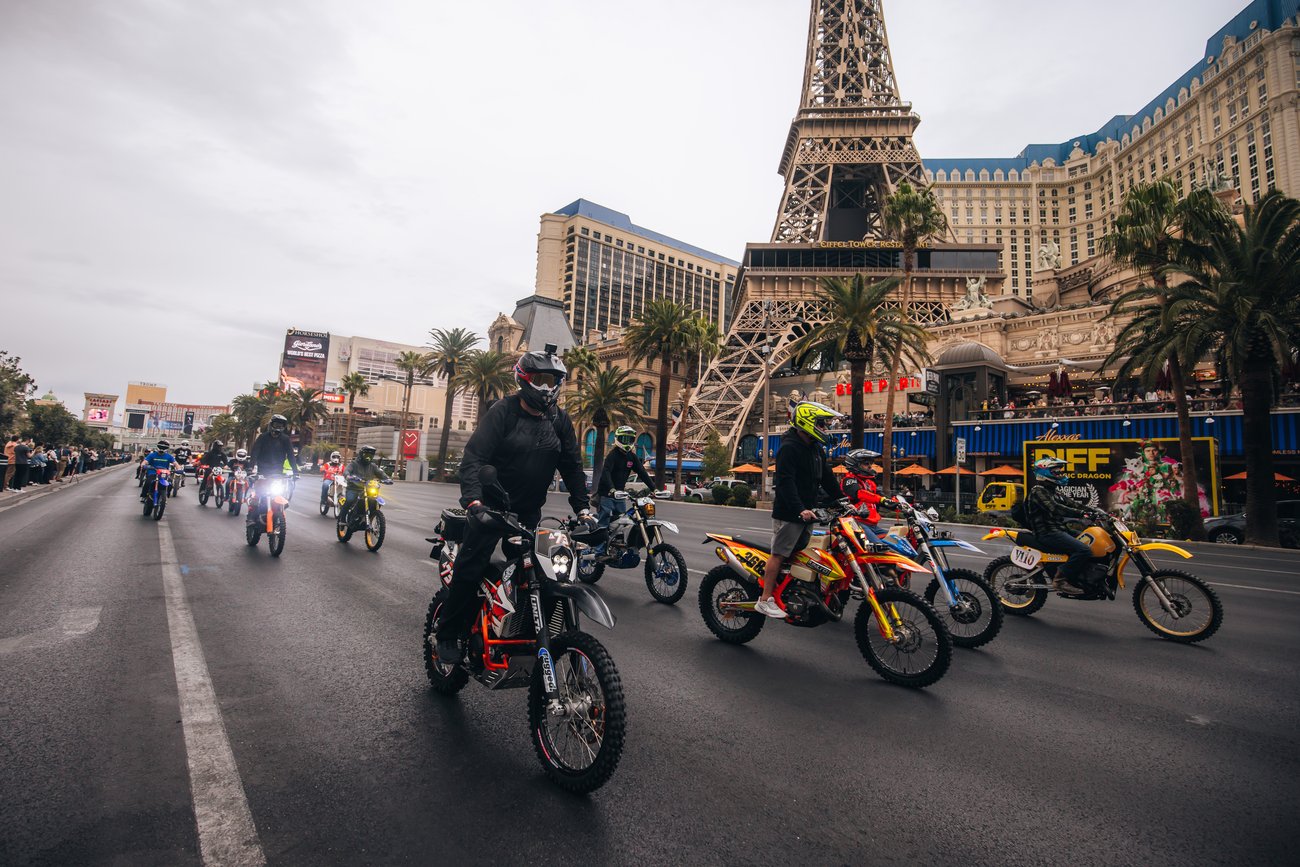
543, 378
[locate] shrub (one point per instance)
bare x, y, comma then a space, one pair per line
693, 498
742, 496
721, 494
1182, 516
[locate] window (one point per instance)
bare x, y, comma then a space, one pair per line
648, 400
586, 231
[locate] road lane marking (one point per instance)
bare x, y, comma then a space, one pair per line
72, 623
227, 835
1252, 587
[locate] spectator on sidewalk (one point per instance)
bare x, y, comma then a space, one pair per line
36, 464
22, 453
10, 466
51, 463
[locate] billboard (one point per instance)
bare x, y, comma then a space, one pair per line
145, 392
1133, 478
305, 359
99, 409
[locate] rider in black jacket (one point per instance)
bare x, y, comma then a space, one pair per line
621, 463
271, 450
526, 437
1048, 510
362, 469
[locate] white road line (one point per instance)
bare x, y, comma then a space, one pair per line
227, 835
1251, 587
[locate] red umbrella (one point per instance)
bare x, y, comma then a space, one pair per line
1065, 383
1053, 385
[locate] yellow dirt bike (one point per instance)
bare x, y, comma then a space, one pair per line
1173, 604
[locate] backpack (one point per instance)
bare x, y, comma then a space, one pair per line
1020, 512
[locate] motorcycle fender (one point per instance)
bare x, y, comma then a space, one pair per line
955, 543
657, 523
281, 501
995, 533
379, 500
1164, 546
588, 600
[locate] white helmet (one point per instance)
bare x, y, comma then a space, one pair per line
241, 454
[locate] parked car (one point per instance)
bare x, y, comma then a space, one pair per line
999, 497
1231, 529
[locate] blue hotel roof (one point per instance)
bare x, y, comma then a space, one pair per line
619, 220
1269, 15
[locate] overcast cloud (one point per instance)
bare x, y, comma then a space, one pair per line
181, 181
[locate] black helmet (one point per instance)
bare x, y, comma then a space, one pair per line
278, 424
163, 445
861, 462
366, 453
218, 444
540, 375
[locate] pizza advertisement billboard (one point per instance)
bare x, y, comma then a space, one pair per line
305, 359
1133, 478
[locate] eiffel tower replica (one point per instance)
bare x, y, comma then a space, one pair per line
849, 147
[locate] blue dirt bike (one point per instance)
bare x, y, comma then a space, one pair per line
964, 601
155, 494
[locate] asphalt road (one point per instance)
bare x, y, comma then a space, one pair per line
1077, 737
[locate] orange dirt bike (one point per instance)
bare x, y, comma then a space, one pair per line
899, 635
1171, 603
268, 502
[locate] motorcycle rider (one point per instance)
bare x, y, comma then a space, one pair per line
1047, 509
363, 468
621, 462
330, 470
526, 438
801, 468
183, 454
215, 456
272, 455
158, 459
859, 486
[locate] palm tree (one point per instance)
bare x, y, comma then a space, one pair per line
703, 342
251, 410
864, 330
224, 427
580, 360
912, 217
658, 332
609, 396
355, 385
487, 374
1240, 300
1150, 230
449, 349
413, 365
303, 409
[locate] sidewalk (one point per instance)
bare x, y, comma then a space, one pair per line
10, 499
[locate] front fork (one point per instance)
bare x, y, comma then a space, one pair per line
550, 684
869, 595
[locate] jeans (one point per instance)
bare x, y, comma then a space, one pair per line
607, 510
1061, 542
458, 612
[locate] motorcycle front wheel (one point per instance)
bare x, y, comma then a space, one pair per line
665, 574
276, 541
1197, 612
977, 617
920, 651
235, 505
720, 585
444, 678
204, 493
161, 507
342, 528
252, 535
376, 526
220, 495
1019, 602
148, 509
579, 740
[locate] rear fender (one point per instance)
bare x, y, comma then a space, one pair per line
589, 602
998, 533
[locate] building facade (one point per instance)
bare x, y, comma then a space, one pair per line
604, 268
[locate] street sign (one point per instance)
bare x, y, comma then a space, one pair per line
931, 381
961, 459
961, 450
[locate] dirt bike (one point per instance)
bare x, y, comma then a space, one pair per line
969, 607
364, 514
204, 481
633, 529
217, 479
527, 634
1171, 603
156, 493
237, 489
333, 494
898, 634
267, 508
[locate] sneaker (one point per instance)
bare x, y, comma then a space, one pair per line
769, 608
1060, 585
449, 651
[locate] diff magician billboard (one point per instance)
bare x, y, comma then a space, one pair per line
1133, 478
306, 357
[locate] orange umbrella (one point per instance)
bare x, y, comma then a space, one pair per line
1004, 470
747, 468
954, 470
839, 469
1277, 477
914, 470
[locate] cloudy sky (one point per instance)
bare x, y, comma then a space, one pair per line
181, 180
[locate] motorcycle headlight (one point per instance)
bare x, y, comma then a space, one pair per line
276, 488
648, 508
372, 489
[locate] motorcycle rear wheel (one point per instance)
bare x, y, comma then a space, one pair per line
1022, 604
445, 679
148, 509
589, 569
276, 540
1190, 596
982, 620
342, 528
580, 749
376, 527
922, 650
734, 628
252, 535
204, 493
666, 585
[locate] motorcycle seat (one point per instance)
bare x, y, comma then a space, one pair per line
765, 547
1026, 539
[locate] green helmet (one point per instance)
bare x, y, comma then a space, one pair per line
815, 419
624, 437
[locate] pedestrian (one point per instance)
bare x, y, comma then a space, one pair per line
10, 467
22, 453
36, 464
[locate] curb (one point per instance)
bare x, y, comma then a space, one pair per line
38, 492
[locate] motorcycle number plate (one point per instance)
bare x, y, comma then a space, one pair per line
1026, 558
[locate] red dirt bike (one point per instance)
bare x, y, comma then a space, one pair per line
898, 634
237, 489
